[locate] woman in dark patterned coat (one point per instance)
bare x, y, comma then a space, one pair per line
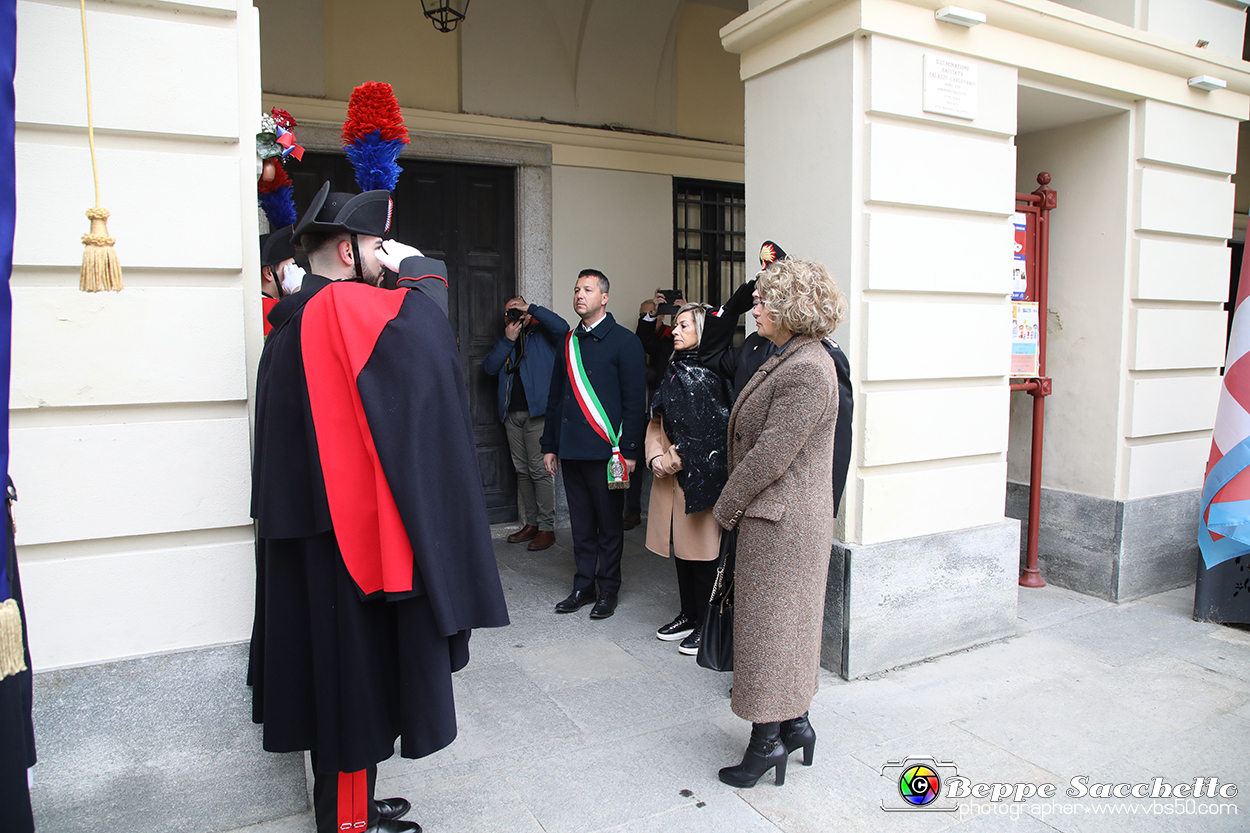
780, 498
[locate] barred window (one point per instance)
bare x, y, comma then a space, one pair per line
709, 239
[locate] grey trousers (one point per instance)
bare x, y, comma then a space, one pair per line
536, 489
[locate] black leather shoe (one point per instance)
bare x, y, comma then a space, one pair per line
632, 519
576, 601
392, 808
690, 645
604, 607
396, 826
798, 733
764, 752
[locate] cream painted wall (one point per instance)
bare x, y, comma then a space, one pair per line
129, 411
847, 178
654, 65
1222, 25
1090, 167
1177, 324
619, 223
709, 92
292, 61
1121, 11
383, 40
1242, 178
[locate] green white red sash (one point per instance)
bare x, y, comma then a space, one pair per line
595, 413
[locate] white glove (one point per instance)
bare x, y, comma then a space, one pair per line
292, 278
393, 253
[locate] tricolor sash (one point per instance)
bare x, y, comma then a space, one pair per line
596, 415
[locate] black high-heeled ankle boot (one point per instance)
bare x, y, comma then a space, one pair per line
764, 752
799, 733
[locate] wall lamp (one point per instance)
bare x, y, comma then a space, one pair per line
1207, 83
958, 16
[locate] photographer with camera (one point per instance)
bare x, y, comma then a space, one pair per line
523, 359
657, 343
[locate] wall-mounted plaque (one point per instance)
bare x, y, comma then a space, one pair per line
950, 86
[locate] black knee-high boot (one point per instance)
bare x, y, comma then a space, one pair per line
764, 752
798, 733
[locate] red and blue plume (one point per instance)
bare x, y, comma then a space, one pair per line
373, 136
277, 197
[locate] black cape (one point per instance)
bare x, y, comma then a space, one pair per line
17, 732
331, 652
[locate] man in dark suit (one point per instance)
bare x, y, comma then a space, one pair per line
595, 425
738, 364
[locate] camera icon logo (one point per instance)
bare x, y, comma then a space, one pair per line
916, 784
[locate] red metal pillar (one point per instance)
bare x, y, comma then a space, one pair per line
1038, 388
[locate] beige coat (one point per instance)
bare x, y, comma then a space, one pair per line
781, 498
694, 537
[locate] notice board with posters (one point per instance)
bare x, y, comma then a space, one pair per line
1025, 340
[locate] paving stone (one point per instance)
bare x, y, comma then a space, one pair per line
886, 708
1041, 607
703, 813
1067, 726
969, 681
1122, 634
479, 802
616, 783
575, 662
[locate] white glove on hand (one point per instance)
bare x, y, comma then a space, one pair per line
393, 253
292, 278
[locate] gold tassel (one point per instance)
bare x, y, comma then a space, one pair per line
12, 652
101, 270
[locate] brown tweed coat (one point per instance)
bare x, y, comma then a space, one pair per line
781, 499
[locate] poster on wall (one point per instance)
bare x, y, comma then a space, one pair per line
1019, 279
1025, 339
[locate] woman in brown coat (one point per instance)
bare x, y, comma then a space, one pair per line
685, 450
780, 499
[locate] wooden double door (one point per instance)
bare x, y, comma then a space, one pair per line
464, 215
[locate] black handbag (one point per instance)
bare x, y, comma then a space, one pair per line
716, 646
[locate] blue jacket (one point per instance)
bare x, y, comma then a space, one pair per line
615, 363
544, 339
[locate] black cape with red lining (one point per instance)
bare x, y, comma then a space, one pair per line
333, 669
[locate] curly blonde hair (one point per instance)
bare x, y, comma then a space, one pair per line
801, 296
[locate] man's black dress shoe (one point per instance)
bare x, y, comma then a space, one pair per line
392, 808
576, 600
605, 607
396, 826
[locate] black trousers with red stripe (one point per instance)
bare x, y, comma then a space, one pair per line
343, 801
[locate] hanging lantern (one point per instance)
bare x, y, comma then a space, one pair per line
445, 14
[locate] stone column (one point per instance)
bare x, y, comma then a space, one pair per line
911, 209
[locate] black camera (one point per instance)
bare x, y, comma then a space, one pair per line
514, 314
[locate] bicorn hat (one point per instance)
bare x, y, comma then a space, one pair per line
277, 247
333, 213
